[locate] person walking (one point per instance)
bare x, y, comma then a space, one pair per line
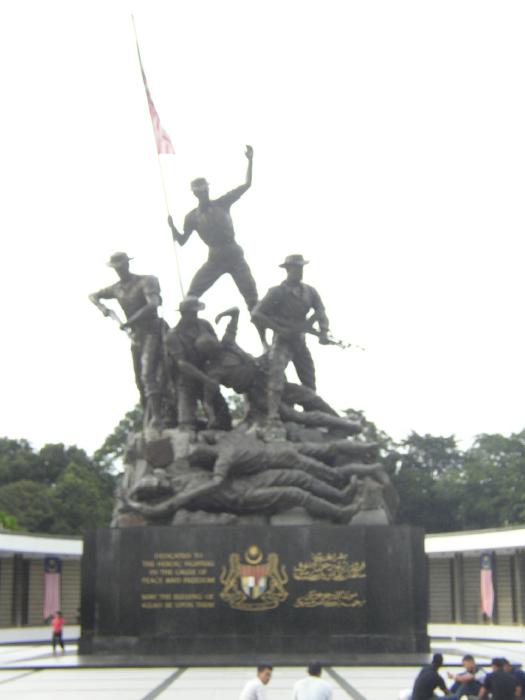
255, 689
57, 625
313, 687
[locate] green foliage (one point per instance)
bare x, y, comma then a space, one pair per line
236, 405
114, 445
17, 460
494, 481
81, 501
443, 488
60, 489
8, 522
30, 503
427, 478
57, 489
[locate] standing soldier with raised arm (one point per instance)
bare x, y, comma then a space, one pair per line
212, 221
139, 297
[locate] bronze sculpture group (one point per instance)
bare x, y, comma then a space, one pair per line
291, 449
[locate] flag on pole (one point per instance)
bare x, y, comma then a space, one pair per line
162, 139
487, 586
52, 569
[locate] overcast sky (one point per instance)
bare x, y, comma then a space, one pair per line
389, 150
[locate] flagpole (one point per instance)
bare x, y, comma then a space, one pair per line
163, 184
175, 244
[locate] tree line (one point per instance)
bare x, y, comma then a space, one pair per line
63, 490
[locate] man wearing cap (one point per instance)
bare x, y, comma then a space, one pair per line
139, 297
284, 310
190, 380
212, 221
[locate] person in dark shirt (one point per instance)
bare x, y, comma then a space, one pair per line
428, 680
500, 684
518, 674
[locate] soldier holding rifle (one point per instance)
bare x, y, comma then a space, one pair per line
284, 310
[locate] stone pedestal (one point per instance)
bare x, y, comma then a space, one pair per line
241, 595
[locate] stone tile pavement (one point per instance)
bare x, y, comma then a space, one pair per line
33, 673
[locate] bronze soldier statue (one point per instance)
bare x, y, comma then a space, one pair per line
231, 455
270, 492
230, 365
285, 310
190, 380
139, 297
212, 221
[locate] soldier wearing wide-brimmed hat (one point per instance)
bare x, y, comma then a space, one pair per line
284, 310
139, 298
182, 344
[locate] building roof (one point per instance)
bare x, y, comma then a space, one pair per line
508, 538
443, 544
40, 545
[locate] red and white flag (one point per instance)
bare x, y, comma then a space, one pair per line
162, 139
52, 569
487, 586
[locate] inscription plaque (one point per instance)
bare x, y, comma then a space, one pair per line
238, 593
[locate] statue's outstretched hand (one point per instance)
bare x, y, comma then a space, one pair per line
249, 152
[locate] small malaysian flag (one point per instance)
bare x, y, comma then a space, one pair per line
162, 139
52, 569
487, 586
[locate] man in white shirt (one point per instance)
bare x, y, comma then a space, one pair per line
313, 687
255, 689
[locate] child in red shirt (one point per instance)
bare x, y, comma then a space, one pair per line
57, 625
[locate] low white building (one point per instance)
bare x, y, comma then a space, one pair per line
454, 575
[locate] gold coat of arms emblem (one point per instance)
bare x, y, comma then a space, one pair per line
252, 584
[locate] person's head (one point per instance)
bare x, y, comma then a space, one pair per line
120, 263
294, 264
468, 663
497, 663
200, 188
437, 660
59, 613
264, 673
315, 669
190, 307
507, 666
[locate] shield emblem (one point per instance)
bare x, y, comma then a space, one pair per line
254, 580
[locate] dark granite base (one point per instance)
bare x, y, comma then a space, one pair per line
230, 595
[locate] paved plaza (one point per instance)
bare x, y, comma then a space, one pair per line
30, 671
